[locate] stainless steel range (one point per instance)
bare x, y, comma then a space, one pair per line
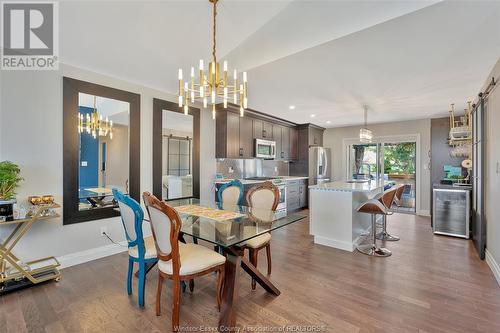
281, 185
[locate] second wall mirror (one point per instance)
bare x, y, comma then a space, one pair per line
176, 152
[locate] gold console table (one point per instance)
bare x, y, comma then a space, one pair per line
14, 274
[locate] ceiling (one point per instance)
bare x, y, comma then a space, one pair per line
404, 59
116, 111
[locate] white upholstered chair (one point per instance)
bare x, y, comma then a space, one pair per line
178, 261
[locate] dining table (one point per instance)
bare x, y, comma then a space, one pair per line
228, 227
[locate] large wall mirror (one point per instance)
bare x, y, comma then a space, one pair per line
176, 153
101, 149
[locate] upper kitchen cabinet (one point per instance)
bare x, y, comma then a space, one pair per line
246, 137
262, 129
227, 135
293, 151
315, 136
235, 135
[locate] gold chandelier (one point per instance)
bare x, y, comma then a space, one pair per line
213, 84
94, 123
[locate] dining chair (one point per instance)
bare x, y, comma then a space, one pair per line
140, 250
264, 196
231, 193
179, 261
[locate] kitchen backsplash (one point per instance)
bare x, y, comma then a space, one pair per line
244, 168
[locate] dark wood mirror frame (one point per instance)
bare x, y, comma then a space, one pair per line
71, 88
158, 106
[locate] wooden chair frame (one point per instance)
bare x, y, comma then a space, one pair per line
144, 264
176, 223
253, 253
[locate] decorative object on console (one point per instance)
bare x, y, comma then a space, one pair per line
9, 181
365, 135
213, 85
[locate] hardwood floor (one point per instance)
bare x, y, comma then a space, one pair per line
429, 284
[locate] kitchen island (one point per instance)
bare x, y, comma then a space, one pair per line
334, 220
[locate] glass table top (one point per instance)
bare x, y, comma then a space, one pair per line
228, 225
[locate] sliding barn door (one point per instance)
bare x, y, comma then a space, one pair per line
478, 173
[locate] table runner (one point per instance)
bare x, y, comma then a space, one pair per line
211, 213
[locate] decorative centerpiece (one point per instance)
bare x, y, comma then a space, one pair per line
9, 181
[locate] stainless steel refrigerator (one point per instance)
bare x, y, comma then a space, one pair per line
319, 165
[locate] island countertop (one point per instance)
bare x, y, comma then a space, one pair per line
344, 186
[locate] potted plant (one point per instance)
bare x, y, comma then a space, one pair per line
9, 181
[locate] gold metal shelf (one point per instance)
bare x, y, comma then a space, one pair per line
40, 270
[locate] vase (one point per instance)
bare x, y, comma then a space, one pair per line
7, 209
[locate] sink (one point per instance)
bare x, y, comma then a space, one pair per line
358, 181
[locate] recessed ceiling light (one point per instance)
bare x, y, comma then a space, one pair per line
328, 121
292, 107
313, 115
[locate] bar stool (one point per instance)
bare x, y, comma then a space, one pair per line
387, 198
373, 207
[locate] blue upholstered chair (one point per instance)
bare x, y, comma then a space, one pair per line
140, 250
231, 193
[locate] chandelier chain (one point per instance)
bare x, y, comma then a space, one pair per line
214, 32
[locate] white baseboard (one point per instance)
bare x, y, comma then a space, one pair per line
346, 246
424, 212
81, 257
495, 268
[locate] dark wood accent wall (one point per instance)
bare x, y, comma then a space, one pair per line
158, 106
71, 88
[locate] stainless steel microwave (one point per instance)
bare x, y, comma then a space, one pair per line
265, 149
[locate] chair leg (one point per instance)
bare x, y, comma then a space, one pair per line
384, 235
191, 285
220, 279
253, 254
176, 300
158, 294
129, 276
268, 254
195, 240
142, 283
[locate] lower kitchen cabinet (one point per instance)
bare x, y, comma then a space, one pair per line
296, 194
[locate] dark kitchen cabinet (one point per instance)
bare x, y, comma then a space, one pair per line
296, 194
303, 194
294, 144
267, 131
315, 136
262, 129
246, 137
277, 139
227, 135
285, 142
257, 128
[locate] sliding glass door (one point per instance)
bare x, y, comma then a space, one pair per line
392, 160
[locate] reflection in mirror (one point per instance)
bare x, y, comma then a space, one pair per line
177, 155
103, 129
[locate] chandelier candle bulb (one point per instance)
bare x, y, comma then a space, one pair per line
213, 96
201, 65
186, 109
180, 100
180, 73
205, 102
202, 91
213, 111
245, 77
192, 72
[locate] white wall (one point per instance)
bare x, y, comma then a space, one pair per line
31, 135
333, 138
492, 177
